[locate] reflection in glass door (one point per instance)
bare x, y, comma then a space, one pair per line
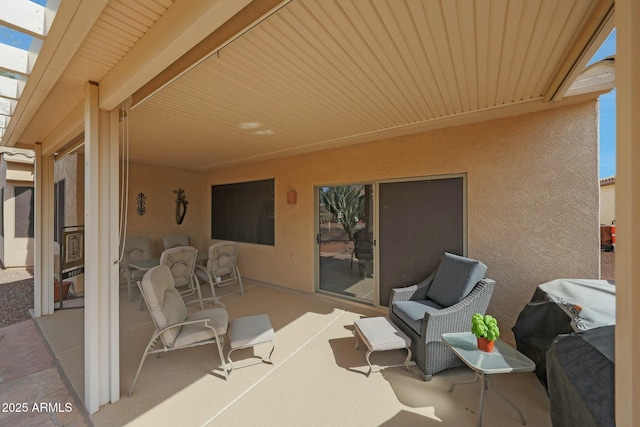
346, 241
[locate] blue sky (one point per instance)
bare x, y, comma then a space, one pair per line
607, 115
607, 101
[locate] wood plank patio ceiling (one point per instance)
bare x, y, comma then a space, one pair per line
320, 72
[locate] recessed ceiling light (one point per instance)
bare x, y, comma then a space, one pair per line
249, 125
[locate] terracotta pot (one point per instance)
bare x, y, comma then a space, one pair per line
65, 291
485, 345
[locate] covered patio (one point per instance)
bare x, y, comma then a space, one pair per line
317, 377
311, 93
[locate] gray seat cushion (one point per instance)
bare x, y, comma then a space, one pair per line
197, 332
412, 312
164, 301
455, 279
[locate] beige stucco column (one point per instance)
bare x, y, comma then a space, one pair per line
43, 242
628, 214
101, 312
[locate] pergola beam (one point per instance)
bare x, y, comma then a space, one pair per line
24, 16
63, 40
8, 87
595, 30
183, 26
237, 25
13, 59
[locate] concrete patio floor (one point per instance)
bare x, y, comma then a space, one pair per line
317, 377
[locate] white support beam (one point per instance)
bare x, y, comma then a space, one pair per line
183, 26
91, 251
23, 15
234, 27
108, 286
8, 87
102, 328
7, 106
594, 32
13, 59
113, 204
43, 213
627, 346
63, 40
37, 231
67, 130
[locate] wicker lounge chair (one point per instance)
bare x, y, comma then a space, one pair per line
443, 302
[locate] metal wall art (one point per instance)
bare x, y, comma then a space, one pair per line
141, 201
181, 205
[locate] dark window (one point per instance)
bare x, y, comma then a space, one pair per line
243, 212
58, 208
24, 211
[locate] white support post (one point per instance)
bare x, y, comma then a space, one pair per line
92, 330
108, 232
43, 255
102, 337
114, 254
627, 351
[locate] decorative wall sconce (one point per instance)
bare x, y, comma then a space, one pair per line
181, 205
141, 201
292, 197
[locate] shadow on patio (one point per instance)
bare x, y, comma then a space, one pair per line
317, 378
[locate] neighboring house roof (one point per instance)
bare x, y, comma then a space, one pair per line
246, 80
607, 181
17, 165
16, 155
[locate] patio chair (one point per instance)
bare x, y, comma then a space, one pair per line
181, 261
221, 265
173, 240
174, 326
135, 249
443, 302
363, 251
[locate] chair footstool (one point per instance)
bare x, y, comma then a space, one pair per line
246, 332
379, 334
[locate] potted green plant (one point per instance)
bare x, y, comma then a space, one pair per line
486, 330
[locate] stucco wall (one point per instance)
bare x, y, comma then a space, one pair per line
71, 169
532, 199
607, 203
158, 185
15, 251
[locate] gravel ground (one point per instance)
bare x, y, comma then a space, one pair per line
16, 295
608, 266
16, 290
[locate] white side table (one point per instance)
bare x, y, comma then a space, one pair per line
503, 360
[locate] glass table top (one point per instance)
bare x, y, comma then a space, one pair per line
145, 264
502, 360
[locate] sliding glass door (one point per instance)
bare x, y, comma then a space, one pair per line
345, 239
418, 221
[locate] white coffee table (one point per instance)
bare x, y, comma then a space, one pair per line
503, 360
